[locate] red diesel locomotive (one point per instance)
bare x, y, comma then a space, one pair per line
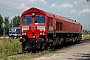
41, 29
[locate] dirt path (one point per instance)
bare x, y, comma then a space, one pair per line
74, 52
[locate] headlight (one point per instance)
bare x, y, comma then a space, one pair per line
23, 33
42, 33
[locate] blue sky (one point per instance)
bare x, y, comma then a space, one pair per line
74, 9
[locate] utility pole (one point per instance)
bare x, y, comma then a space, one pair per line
12, 23
4, 28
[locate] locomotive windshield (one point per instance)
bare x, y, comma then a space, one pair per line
12, 30
39, 19
27, 20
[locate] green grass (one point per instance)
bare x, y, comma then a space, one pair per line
9, 47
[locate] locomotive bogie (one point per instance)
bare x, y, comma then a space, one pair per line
35, 44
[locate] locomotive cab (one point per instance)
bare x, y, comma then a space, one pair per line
33, 26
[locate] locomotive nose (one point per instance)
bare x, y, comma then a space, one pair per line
33, 27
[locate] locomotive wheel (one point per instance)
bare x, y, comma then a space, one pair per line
46, 46
77, 40
58, 41
29, 50
23, 47
74, 40
43, 46
62, 41
34, 50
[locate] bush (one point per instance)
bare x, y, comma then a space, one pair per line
85, 36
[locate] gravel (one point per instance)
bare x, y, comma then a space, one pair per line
73, 52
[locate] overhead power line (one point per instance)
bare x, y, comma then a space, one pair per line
9, 7
9, 10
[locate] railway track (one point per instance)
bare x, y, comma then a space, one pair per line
67, 45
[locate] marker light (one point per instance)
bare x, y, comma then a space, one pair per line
23, 33
42, 33
33, 14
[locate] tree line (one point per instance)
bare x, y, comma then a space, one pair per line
5, 24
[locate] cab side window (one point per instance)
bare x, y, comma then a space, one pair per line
81, 27
57, 25
50, 23
60, 26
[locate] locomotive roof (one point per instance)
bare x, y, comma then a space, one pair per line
33, 9
36, 10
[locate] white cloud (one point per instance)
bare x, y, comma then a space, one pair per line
66, 5
32, 1
75, 2
20, 0
21, 6
88, 18
37, 1
54, 5
43, 1
86, 6
13, 17
84, 11
73, 11
80, 2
